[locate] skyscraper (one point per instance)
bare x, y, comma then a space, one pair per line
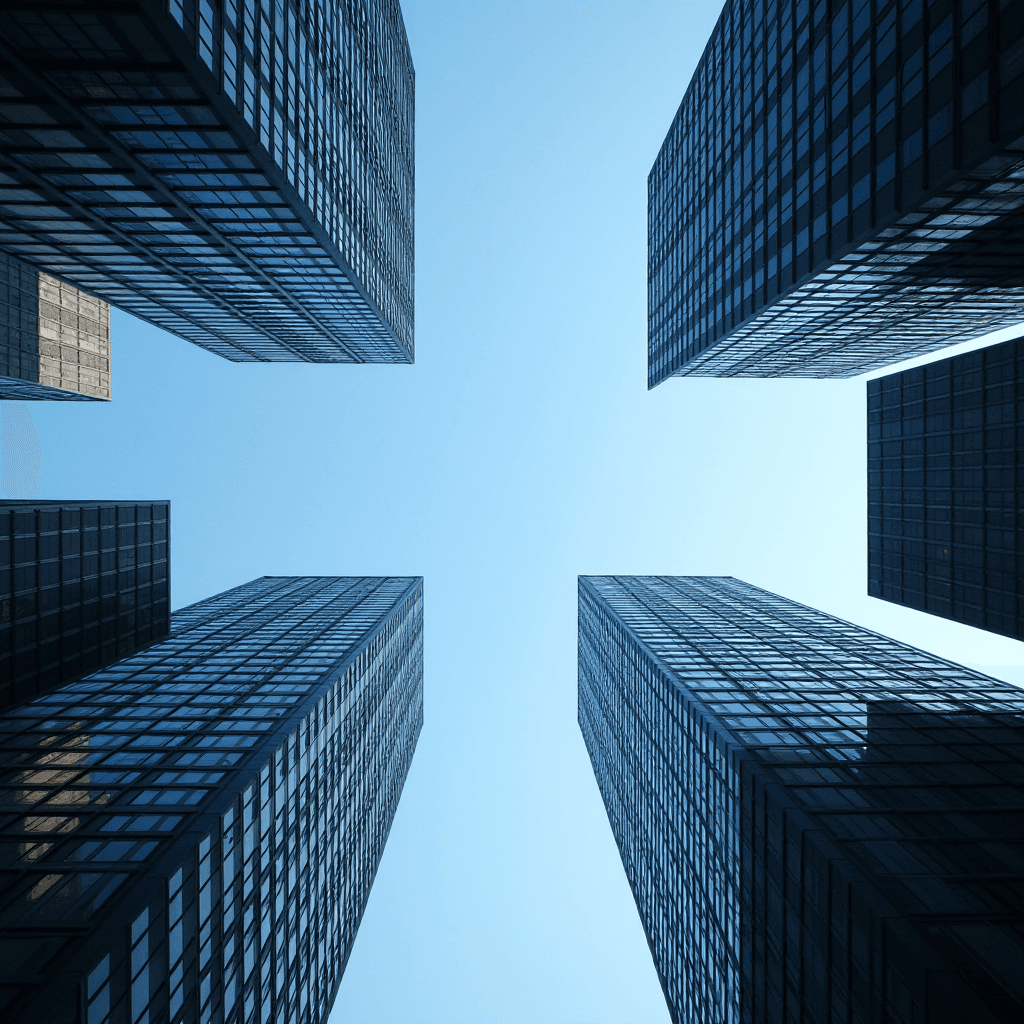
54, 339
192, 833
818, 823
240, 174
82, 584
840, 189
944, 457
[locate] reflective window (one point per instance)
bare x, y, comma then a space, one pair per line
268, 220
834, 192
774, 776
944, 458
80, 586
262, 910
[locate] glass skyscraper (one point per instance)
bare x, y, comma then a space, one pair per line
82, 584
239, 172
54, 339
818, 823
191, 834
841, 189
945, 453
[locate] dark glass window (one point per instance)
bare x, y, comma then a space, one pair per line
905, 231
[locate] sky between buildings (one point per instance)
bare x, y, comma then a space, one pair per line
521, 450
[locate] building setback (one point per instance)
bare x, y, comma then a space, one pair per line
54, 339
82, 584
945, 458
841, 189
818, 823
192, 833
240, 174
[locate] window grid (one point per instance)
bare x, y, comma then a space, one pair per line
81, 585
839, 190
945, 458
817, 822
226, 794
54, 339
270, 221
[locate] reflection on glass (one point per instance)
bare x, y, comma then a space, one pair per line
310, 686
805, 220
263, 181
802, 805
943, 444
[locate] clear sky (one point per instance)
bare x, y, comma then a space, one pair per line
522, 449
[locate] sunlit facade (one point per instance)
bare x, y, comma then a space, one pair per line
192, 833
82, 584
54, 338
239, 173
944, 456
841, 189
818, 823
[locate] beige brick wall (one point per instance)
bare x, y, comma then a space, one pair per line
51, 333
74, 339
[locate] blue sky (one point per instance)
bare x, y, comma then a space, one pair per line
522, 449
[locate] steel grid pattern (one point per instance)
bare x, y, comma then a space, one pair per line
857, 802
240, 174
841, 189
945, 461
192, 833
81, 585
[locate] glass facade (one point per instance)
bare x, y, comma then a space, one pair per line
191, 834
945, 452
818, 823
239, 172
82, 584
840, 189
54, 339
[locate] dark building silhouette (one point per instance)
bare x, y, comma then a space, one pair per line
82, 584
840, 189
240, 174
54, 339
191, 834
818, 823
944, 456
